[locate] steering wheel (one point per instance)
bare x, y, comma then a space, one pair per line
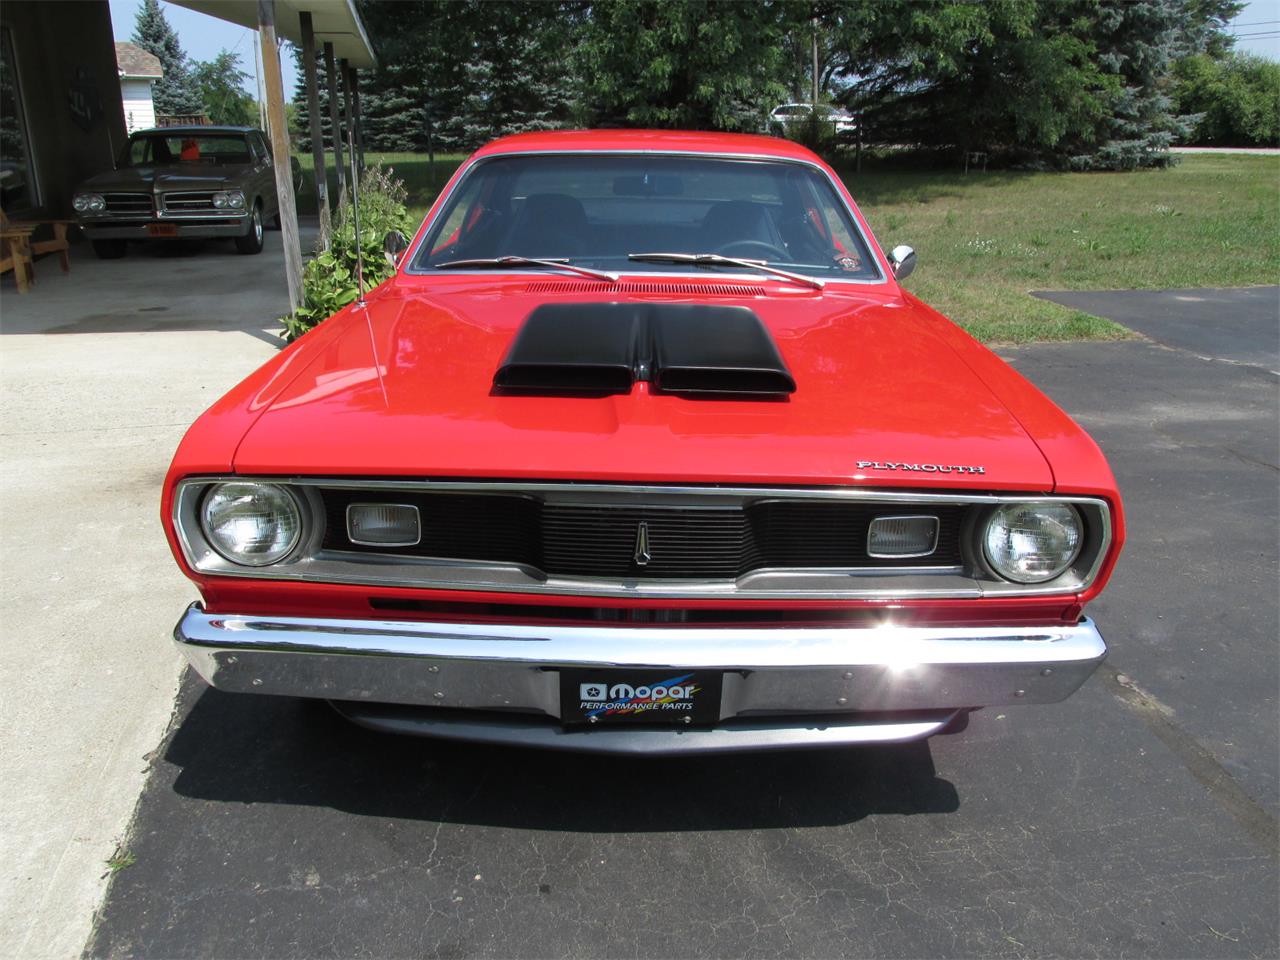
755, 246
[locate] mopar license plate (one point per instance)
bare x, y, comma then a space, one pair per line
162, 230
639, 696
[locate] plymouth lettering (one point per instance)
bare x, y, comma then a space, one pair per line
919, 467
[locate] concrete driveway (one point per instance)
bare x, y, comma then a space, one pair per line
103, 370
1137, 818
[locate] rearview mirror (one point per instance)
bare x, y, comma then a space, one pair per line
903, 260
649, 185
395, 244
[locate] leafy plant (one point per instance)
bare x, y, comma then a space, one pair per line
329, 280
120, 860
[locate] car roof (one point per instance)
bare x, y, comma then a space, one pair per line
194, 128
648, 141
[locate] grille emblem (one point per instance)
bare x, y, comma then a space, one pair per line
642, 555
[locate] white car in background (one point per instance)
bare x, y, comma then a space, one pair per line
785, 114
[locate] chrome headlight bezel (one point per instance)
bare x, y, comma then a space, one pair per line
229, 200
88, 203
1065, 515
282, 500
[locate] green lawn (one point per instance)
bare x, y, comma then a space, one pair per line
985, 239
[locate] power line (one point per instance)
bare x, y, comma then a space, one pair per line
1256, 36
1255, 23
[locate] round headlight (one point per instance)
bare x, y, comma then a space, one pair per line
251, 523
80, 203
96, 202
235, 199
1032, 542
219, 200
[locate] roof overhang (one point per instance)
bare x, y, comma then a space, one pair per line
334, 21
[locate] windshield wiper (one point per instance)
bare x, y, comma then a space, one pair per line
556, 263
719, 260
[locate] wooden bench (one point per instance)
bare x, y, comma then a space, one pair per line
57, 244
15, 255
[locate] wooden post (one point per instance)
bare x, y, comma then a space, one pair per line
317, 127
347, 123
279, 134
357, 121
335, 128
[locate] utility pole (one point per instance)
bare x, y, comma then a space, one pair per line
815, 66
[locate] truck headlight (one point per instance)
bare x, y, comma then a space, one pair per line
1032, 542
88, 202
251, 523
229, 199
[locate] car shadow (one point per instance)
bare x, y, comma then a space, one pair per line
244, 749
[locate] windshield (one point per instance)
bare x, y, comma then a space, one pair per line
161, 150
596, 210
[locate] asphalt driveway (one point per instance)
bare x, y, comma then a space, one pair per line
101, 372
1138, 818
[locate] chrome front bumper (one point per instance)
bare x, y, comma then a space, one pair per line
185, 230
789, 686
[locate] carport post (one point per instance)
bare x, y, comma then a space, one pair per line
347, 76
279, 134
335, 128
353, 81
317, 128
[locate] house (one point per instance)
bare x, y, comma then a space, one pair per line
138, 70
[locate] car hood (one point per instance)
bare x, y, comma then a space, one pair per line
194, 176
406, 389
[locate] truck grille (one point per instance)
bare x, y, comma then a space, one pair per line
127, 202
684, 542
182, 202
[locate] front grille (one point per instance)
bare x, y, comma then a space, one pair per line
127, 202
181, 202
591, 541
684, 542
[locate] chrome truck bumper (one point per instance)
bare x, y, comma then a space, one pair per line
782, 687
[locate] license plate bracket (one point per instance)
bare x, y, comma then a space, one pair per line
616, 695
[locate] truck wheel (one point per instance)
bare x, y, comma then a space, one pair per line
109, 249
251, 242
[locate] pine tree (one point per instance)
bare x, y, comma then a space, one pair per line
176, 92
469, 70
1138, 42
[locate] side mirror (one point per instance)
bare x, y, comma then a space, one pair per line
903, 260
395, 244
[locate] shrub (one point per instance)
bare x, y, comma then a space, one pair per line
329, 277
1238, 99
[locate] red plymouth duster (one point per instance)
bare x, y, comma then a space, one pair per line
643, 449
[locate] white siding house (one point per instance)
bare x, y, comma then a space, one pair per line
138, 70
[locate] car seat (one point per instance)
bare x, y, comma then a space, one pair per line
548, 225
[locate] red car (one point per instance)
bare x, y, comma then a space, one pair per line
643, 449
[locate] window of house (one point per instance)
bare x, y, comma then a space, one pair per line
17, 176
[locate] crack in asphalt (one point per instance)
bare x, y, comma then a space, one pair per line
1257, 822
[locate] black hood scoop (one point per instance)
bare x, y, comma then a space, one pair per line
603, 348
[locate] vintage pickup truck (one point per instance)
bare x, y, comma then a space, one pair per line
643, 449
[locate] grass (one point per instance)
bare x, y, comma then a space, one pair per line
984, 240
120, 861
